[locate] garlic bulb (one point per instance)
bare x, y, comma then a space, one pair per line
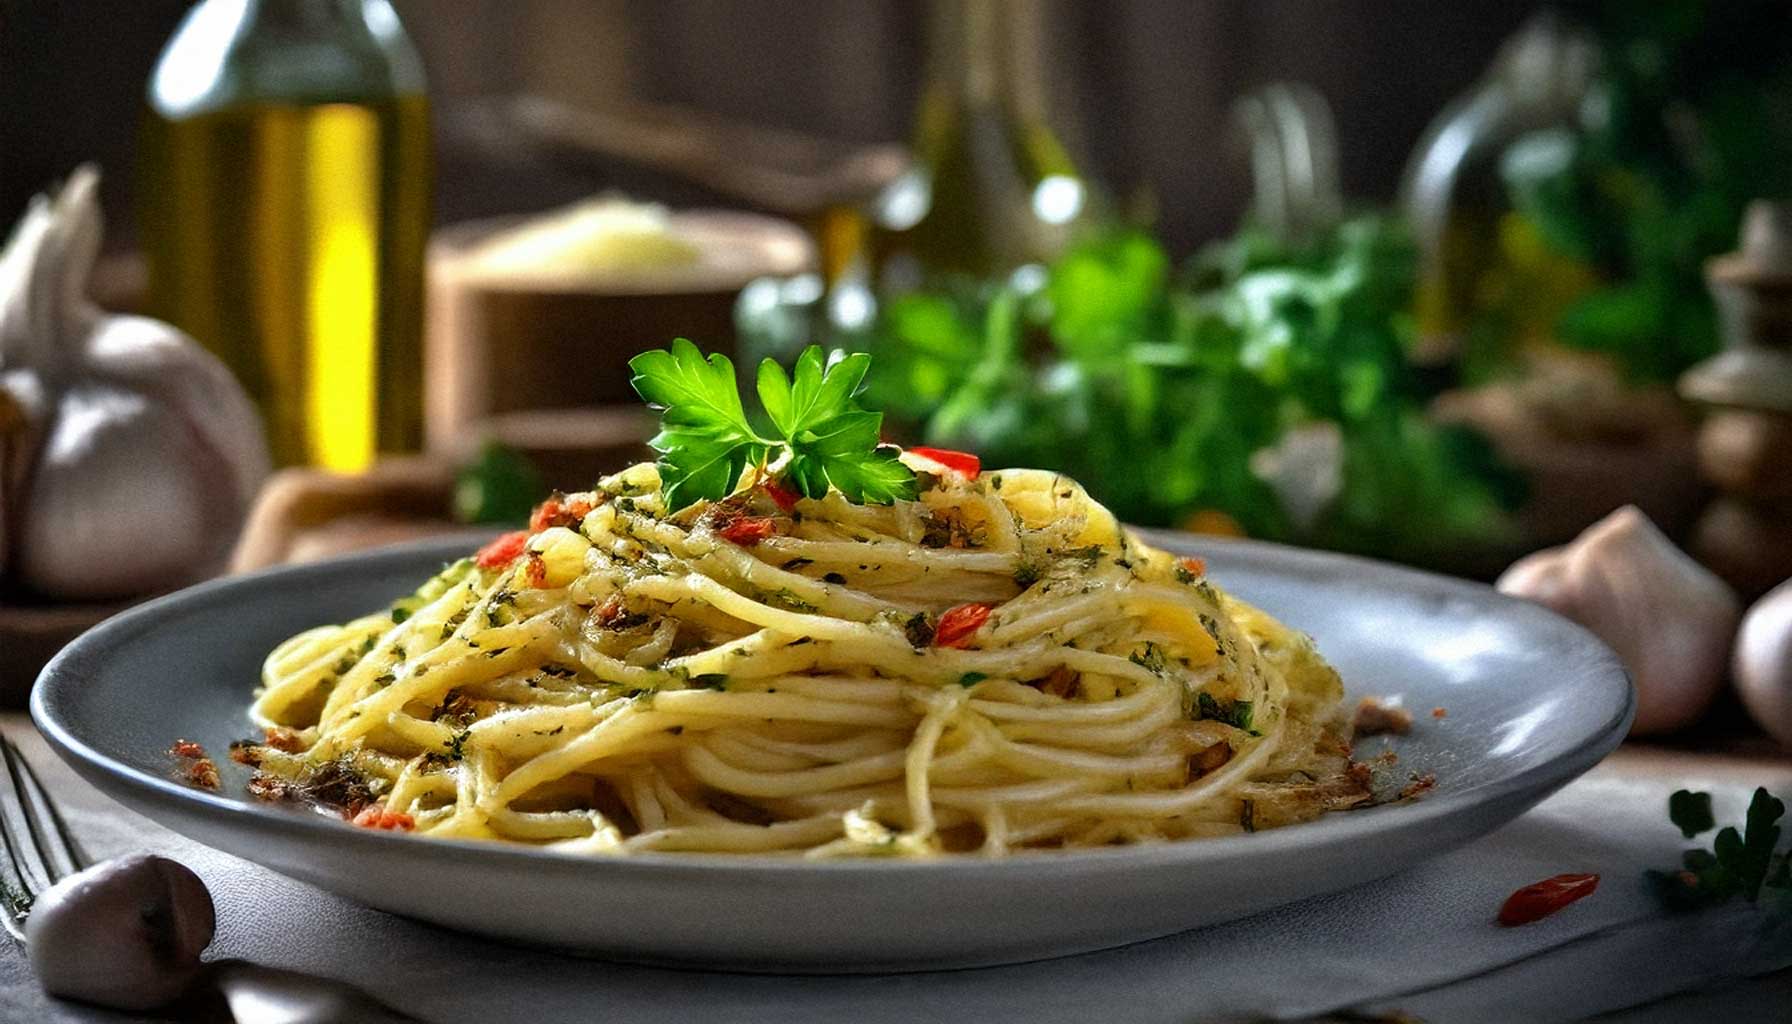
134, 454
1763, 663
1668, 618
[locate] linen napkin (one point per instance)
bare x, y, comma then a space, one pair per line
1422, 943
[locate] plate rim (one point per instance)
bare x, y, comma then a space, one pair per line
1328, 830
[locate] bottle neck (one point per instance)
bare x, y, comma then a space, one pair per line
987, 53
307, 14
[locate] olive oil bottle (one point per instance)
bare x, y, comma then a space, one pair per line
285, 184
992, 187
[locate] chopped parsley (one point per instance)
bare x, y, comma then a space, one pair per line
970, 679
1236, 713
1151, 658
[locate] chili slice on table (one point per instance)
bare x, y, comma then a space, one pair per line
958, 462
959, 622
502, 551
1541, 899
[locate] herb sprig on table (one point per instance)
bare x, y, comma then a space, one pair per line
818, 436
1742, 864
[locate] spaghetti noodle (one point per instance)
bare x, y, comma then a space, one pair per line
995, 666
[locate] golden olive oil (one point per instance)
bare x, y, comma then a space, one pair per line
288, 238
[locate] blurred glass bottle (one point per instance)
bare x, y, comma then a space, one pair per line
286, 201
992, 187
1488, 283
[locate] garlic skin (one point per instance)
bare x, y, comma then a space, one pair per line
125, 933
1763, 662
1668, 618
140, 452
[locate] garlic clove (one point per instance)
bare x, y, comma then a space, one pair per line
1763, 662
125, 933
119, 502
1668, 618
139, 454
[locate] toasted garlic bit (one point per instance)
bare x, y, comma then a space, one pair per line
125, 933
128, 454
1763, 662
1668, 618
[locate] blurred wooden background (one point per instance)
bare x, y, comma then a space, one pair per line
1142, 86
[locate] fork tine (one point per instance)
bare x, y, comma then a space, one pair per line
18, 887
68, 849
53, 858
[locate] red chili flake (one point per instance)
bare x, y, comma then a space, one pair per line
1439, 713
958, 623
502, 551
536, 571
186, 748
748, 530
559, 511
1196, 566
203, 772
375, 816
1541, 899
283, 739
612, 610
785, 497
958, 462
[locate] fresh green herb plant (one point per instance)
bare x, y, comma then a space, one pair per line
499, 486
1160, 390
1744, 864
818, 436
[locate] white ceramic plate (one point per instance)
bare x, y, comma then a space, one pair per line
1532, 701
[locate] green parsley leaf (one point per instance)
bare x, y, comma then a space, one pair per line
1740, 863
821, 439
1691, 812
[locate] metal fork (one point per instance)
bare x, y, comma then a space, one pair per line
39, 846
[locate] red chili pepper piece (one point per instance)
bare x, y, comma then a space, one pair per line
1198, 566
958, 623
1541, 899
555, 512
958, 462
785, 497
748, 530
502, 551
375, 816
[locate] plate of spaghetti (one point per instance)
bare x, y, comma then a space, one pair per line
886, 709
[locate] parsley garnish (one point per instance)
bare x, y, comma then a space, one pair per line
1236, 713
820, 438
1738, 864
970, 679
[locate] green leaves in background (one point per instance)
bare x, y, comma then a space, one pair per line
499, 486
1156, 389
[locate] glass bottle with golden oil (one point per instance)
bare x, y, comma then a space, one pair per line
992, 187
285, 182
